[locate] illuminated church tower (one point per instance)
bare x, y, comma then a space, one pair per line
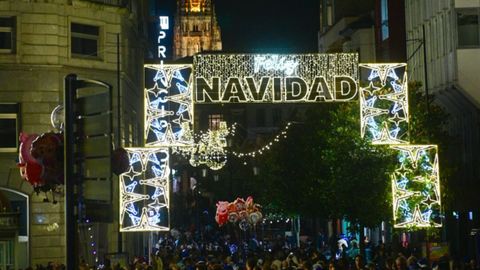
196, 28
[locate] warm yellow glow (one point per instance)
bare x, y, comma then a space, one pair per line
168, 105
275, 78
144, 191
195, 5
210, 150
384, 103
416, 187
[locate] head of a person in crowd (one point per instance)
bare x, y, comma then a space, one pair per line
200, 265
389, 263
332, 265
370, 266
400, 263
250, 265
305, 265
359, 263
412, 262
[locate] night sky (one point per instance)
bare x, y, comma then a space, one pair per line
275, 26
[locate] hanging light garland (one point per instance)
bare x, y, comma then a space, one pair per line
209, 148
271, 218
266, 147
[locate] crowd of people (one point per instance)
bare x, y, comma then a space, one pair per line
222, 250
187, 251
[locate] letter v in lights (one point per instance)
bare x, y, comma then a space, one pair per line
259, 90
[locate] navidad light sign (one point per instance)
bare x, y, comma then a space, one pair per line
266, 78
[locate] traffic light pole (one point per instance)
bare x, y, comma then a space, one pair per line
69, 169
76, 107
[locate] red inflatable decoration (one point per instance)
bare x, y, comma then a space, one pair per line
245, 212
41, 160
47, 149
30, 170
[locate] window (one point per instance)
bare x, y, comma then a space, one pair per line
84, 40
468, 27
8, 127
384, 19
214, 121
7, 34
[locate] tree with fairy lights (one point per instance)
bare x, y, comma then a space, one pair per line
325, 169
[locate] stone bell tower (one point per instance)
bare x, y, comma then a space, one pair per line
196, 28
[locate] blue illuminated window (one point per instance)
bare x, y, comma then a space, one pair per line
384, 19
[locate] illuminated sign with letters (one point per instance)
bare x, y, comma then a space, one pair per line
261, 78
164, 25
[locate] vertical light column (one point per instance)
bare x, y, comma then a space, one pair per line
145, 187
384, 120
144, 191
416, 187
168, 105
384, 103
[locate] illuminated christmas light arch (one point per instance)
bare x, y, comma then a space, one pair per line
172, 90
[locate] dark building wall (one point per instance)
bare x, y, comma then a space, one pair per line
341, 9
392, 49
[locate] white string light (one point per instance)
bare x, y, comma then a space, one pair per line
266, 147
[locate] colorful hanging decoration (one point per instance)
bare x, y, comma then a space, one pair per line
47, 149
245, 212
41, 160
30, 170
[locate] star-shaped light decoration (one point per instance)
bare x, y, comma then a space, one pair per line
152, 191
144, 224
425, 195
385, 94
168, 104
